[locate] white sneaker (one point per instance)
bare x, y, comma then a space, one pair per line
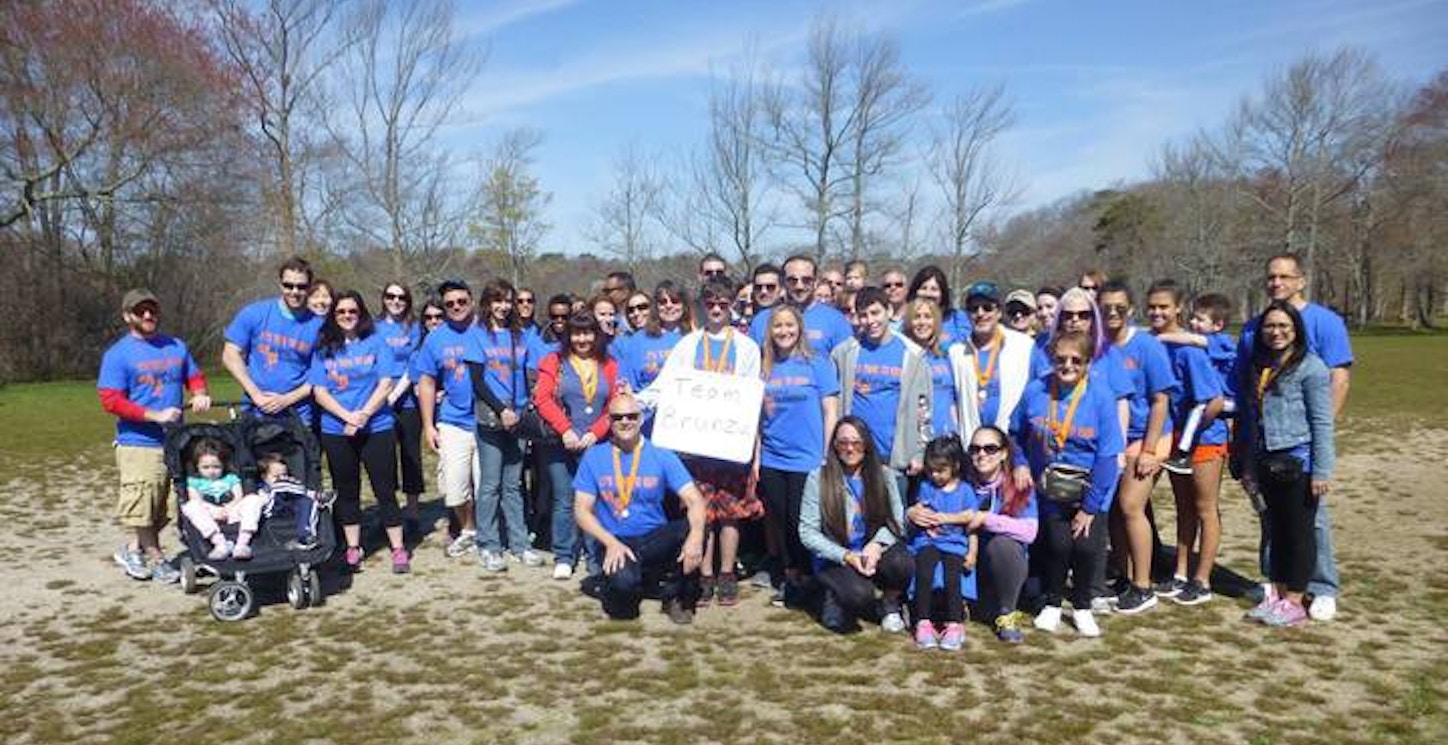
1086, 624
492, 561
463, 544
529, 557
1101, 605
762, 580
562, 571
1323, 608
1049, 619
892, 623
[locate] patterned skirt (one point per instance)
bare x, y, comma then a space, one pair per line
728, 492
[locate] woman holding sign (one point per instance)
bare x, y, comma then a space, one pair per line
727, 488
573, 386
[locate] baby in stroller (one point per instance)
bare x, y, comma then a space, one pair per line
280, 489
214, 493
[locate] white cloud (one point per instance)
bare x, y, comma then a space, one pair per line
501, 15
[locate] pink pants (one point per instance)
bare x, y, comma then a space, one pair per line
205, 515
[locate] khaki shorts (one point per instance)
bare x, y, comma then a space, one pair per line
458, 468
145, 499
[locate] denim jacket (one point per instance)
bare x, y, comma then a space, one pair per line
1296, 410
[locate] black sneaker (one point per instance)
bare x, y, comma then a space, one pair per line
1194, 593
834, 617
1178, 463
678, 612
1170, 588
592, 585
1135, 600
1118, 587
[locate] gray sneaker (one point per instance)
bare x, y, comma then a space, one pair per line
529, 558
162, 571
133, 562
492, 561
464, 544
762, 580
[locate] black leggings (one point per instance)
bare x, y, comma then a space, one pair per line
409, 448
856, 592
925, 563
783, 491
1084, 558
1002, 574
346, 456
1291, 512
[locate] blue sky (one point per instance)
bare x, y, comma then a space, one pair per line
1098, 87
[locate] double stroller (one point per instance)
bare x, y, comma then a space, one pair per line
248, 438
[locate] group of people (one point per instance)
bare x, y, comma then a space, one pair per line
912, 456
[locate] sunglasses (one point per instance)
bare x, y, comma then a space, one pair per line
666, 300
989, 449
769, 286
1114, 310
893, 285
1088, 288
849, 444
800, 280
633, 417
1079, 315
296, 286
394, 296
716, 303
640, 308
524, 301
1062, 359
713, 273
1019, 312
432, 316
982, 307
141, 311
460, 303
345, 312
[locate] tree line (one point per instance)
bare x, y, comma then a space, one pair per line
187, 146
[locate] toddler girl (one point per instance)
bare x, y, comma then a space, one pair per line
940, 539
214, 494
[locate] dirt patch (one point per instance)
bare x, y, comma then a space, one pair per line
449, 654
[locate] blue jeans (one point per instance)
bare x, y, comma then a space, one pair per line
1325, 579
501, 457
560, 466
656, 555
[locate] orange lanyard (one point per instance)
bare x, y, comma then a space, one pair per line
709, 363
625, 486
1264, 381
587, 378
982, 379
1061, 430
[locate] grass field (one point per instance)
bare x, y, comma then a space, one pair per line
449, 654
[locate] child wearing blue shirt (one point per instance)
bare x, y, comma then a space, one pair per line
946, 550
1208, 331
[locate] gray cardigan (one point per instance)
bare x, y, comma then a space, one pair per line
812, 533
909, 442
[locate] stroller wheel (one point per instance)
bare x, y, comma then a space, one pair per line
188, 575
314, 589
297, 589
230, 601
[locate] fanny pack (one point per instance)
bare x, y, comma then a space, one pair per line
1065, 484
1278, 469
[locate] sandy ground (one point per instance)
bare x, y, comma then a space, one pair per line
449, 654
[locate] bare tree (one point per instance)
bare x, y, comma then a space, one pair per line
971, 182
509, 219
404, 77
626, 218
282, 51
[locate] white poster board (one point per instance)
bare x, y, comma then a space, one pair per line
710, 414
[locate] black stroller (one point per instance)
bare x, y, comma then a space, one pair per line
247, 438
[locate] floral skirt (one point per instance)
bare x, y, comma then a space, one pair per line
728, 492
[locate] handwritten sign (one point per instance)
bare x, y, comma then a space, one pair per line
709, 414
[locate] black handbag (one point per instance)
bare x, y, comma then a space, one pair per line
531, 425
1279, 469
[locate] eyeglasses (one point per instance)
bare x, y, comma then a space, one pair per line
849, 444
630, 417
1064, 359
1115, 310
990, 448
296, 286
712, 273
893, 285
640, 308
432, 316
976, 308
1079, 315
345, 312
393, 296
800, 280
457, 303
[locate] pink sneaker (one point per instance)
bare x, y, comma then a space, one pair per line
354, 557
1285, 614
400, 564
925, 635
953, 638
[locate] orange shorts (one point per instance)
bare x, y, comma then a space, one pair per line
1162, 450
1208, 453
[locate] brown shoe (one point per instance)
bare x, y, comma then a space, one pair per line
706, 591
678, 612
728, 590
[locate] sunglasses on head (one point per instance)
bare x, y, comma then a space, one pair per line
989, 448
296, 286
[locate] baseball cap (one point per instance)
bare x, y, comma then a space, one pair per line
987, 290
1024, 297
136, 297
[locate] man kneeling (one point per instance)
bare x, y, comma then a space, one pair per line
619, 501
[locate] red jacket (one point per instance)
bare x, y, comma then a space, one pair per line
545, 396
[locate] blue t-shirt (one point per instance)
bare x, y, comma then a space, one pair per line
504, 356
792, 425
537, 347
402, 340
1093, 441
1222, 351
1199, 384
955, 327
855, 513
277, 345
1326, 337
642, 357
443, 358
153, 374
949, 539
351, 374
659, 473
716, 355
943, 394
824, 326
1150, 369
876, 398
